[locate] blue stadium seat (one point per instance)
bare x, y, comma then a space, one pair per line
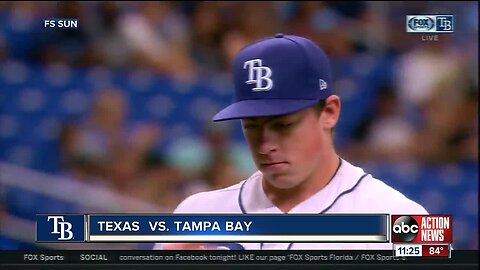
7, 243
22, 203
26, 204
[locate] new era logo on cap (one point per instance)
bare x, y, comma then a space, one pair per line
323, 84
278, 75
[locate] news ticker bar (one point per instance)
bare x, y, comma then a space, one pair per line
213, 228
197, 257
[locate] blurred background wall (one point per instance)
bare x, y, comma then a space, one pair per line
115, 116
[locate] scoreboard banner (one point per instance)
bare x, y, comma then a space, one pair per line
370, 228
416, 235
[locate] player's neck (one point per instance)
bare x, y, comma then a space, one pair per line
287, 199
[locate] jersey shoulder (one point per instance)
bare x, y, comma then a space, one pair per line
223, 200
371, 195
382, 196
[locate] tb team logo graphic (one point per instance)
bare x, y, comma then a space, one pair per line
258, 75
430, 23
60, 228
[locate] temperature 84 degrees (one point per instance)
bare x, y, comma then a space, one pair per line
435, 250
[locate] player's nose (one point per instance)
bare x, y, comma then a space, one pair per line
267, 142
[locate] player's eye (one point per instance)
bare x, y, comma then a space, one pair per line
283, 125
250, 126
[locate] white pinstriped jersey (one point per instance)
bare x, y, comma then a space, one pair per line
351, 190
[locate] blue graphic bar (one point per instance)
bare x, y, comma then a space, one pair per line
234, 228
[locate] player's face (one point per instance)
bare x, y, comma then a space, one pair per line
289, 149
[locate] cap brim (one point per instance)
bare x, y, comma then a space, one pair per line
262, 107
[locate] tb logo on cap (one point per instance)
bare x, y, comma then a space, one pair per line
258, 75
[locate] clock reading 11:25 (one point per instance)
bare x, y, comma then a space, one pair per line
408, 250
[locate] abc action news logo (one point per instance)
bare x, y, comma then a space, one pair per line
422, 229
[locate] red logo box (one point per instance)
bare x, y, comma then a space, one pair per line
422, 229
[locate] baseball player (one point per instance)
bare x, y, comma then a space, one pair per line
285, 100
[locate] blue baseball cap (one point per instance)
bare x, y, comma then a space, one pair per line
278, 75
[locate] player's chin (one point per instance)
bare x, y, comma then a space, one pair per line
282, 181
284, 184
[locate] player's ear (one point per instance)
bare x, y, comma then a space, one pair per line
331, 112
